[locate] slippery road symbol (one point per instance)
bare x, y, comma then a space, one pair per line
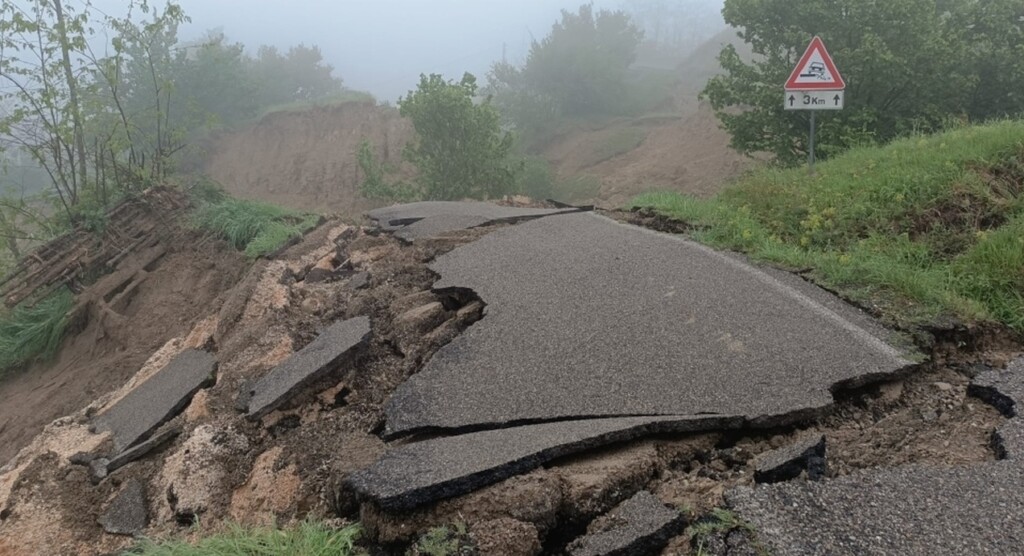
816, 70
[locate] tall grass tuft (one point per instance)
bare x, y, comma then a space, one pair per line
255, 228
29, 332
306, 539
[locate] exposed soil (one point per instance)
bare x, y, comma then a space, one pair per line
306, 159
689, 154
173, 293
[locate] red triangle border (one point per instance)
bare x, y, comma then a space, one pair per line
816, 44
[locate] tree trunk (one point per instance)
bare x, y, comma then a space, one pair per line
76, 112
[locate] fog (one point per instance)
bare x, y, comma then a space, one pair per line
382, 46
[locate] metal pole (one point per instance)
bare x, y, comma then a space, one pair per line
813, 122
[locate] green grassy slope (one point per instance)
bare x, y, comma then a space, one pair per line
924, 228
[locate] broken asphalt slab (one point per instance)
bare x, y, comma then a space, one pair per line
127, 513
640, 525
788, 462
588, 317
1003, 389
161, 397
422, 472
906, 510
305, 366
431, 218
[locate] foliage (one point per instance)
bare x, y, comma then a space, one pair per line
31, 331
297, 75
444, 541
910, 65
580, 66
925, 227
375, 182
307, 539
256, 228
721, 521
460, 149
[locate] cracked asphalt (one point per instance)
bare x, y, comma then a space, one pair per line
587, 317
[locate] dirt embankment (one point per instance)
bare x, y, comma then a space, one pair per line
306, 159
158, 290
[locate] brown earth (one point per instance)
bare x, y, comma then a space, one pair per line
306, 159
165, 299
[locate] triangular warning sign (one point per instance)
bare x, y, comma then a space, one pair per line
815, 71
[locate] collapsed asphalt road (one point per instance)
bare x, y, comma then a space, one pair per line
588, 319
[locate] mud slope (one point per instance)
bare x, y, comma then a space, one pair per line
115, 339
307, 159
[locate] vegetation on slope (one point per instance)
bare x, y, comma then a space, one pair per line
256, 228
307, 539
30, 331
924, 228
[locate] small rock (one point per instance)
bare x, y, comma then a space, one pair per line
98, 470
891, 391
422, 319
318, 275
944, 386
929, 415
790, 461
359, 281
126, 514
310, 305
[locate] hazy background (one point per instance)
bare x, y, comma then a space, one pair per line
382, 46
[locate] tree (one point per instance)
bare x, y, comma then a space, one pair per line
909, 65
460, 149
580, 68
298, 75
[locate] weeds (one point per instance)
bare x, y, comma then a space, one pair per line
444, 541
721, 522
28, 332
923, 228
307, 539
255, 228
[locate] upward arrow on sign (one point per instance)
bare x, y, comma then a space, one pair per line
815, 70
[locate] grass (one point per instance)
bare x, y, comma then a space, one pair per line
923, 229
29, 332
256, 228
721, 521
444, 541
307, 539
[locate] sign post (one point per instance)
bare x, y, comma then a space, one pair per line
815, 84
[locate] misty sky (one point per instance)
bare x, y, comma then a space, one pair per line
382, 46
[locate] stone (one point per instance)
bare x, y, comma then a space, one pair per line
590, 318
156, 400
422, 319
1003, 389
944, 386
419, 473
305, 366
358, 281
127, 513
98, 470
640, 525
788, 462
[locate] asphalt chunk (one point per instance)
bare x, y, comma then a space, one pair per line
591, 318
906, 510
788, 462
433, 226
423, 472
443, 215
1002, 389
640, 525
1008, 440
127, 513
305, 366
165, 394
